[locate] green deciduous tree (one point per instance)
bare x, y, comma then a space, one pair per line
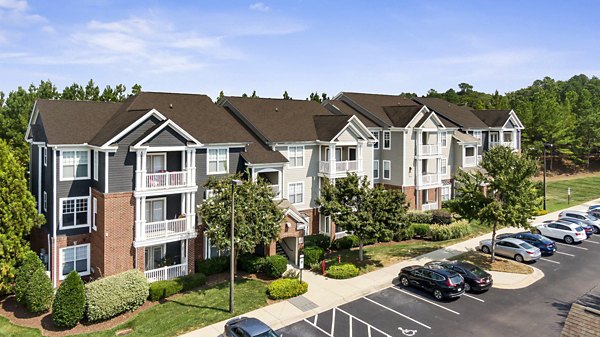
286, 95
510, 197
18, 216
363, 210
257, 217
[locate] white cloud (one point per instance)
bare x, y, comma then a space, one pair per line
16, 12
17, 5
259, 6
48, 29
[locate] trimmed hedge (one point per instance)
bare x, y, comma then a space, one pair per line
420, 229
69, 303
456, 230
113, 295
419, 217
40, 293
313, 255
275, 266
213, 266
441, 216
318, 240
342, 271
31, 262
346, 242
286, 288
539, 212
251, 263
386, 235
406, 233
164, 289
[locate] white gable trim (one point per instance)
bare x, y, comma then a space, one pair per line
413, 120
296, 216
34, 114
133, 125
359, 127
436, 120
513, 116
174, 126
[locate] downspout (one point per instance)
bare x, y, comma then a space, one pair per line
54, 210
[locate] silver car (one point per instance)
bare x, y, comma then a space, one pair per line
587, 218
512, 248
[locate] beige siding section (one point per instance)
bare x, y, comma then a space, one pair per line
308, 174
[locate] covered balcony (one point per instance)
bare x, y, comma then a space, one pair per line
157, 171
428, 173
272, 176
470, 156
429, 143
165, 261
503, 138
340, 160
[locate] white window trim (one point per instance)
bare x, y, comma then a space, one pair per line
303, 196
60, 263
94, 213
383, 170
45, 155
157, 154
444, 168
376, 145
376, 164
444, 139
447, 188
62, 178
45, 201
95, 165
479, 135
60, 213
164, 200
390, 143
289, 156
208, 160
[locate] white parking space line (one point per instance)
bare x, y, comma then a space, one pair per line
425, 300
473, 297
397, 313
369, 326
541, 258
567, 254
333, 321
563, 244
318, 328
590, 241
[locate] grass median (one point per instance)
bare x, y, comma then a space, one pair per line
583, 189
484, 261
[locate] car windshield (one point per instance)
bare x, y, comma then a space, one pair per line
525, 245
595, 216
542, 238
579, 229
269, 333
478, 272
456, 279
589, 217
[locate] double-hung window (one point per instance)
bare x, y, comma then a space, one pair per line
96, 165
217, 161
387, 169
444, 138
444, 166
446, 190
296, 156
477, 134
74, 165
296, 193
74, 212
387, 140
375, 169
75, 258
376, 135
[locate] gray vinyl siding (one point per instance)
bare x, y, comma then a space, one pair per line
236, 164
34, 170
71, 188
47, 186
167, 137
174, 161
121, 165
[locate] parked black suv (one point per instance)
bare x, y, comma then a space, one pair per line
476, 279
442, 283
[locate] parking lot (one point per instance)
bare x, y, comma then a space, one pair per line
538, 310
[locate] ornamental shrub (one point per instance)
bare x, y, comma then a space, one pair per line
386, 235
69, 303
342, 271
275, 266
420, 229
162, 289
456, 230
346, 242
113, 295
441, 216
40, 293
251, 263
31, 262
419, 217
193, 281
313, 255
286, 288
406, 233
318, 240
213, 266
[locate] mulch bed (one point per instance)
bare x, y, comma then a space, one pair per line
19, 315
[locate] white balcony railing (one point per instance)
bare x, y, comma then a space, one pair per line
429, 206
165, 180
470, 161
429, 179
340, 166
507, 144
429, 150
164, 229
166, 273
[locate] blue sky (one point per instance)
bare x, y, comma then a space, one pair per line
297, 45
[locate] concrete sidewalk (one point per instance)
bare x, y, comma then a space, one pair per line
325, 293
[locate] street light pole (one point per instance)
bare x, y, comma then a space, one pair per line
231, 249
545, 146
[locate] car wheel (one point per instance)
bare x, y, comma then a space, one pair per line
404, 281
485, 249
518, 258
538, 232
467, 287
569, 239
595, 230
438, 294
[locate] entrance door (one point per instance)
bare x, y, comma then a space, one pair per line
155, 210
494, 137
153, 256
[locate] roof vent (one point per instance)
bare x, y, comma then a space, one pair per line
171, 106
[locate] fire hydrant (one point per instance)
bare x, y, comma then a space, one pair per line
323, 267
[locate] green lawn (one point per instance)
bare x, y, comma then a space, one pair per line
8, 329
194, 310
582, 190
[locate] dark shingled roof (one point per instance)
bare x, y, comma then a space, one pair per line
461, 115
401, 115
328, 127
257, 153
375, 104
72, 122
493, 118
280, 120
344, 108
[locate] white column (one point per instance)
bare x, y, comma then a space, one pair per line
191, 218
331, 160
144, 168
193, 167
419, 141
138, 219
138, 171
439, 141
418, 173
359, 156
501, 137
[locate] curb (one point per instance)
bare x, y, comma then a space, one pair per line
522, 282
